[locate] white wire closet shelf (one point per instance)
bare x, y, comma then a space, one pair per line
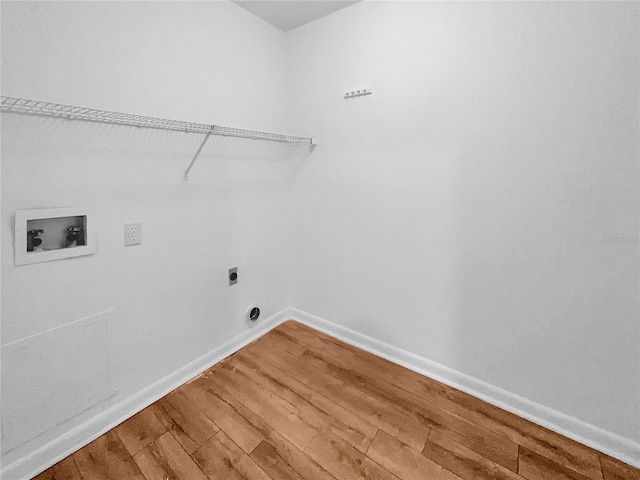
71, 112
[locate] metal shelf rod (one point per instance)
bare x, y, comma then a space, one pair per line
72, 112
195, 157
38, 107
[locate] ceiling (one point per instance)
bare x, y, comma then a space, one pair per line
289, 14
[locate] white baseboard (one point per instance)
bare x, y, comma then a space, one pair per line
39, 460
602, 440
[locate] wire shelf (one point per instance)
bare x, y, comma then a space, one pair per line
48, 109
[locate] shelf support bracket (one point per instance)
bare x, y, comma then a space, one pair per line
195, 157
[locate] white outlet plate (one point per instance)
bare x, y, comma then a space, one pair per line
132, 234
358, 92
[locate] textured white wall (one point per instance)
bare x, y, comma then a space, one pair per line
202, 61
459, 212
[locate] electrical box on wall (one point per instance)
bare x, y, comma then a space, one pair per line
52, 234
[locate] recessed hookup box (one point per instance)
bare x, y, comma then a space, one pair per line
52, 234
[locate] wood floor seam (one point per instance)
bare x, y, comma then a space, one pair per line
297, 404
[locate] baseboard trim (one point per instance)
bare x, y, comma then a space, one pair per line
595, 437
49, 454
602, 440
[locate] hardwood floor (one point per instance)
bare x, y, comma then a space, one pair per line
300, 405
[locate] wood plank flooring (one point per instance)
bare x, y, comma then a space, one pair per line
300, 405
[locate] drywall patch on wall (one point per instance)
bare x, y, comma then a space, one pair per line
38, 460
608, 442
171, 293
31, 382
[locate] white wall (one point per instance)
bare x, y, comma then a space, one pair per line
459, 212
201, 61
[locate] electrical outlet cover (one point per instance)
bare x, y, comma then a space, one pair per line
132, 234
233, 276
